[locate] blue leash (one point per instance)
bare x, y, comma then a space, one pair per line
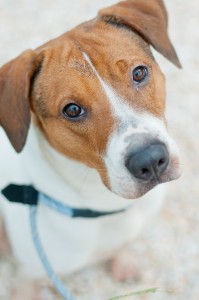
65, 210
41, 253
30, 196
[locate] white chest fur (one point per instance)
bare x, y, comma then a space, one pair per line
69, 243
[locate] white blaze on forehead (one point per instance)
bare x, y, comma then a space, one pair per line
118, 104
129, 119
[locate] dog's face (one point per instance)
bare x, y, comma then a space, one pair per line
98, 96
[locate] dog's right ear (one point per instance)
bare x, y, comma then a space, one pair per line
148, 18
15, 89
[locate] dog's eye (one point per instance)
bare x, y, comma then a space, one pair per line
140, 73
73, 111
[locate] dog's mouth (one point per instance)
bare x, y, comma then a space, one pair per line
140, 191
136, 190
133, 186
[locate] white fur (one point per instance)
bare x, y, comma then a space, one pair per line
72, 243
69, 243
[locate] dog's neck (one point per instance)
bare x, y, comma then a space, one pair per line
65, 179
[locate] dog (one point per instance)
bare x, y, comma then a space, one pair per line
83, 120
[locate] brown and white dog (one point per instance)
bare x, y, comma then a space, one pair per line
88, 109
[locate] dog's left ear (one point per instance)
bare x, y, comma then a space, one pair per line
15, 88
149, 19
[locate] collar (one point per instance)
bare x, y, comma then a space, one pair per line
27, 194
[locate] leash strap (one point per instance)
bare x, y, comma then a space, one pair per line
29, 195
41, 253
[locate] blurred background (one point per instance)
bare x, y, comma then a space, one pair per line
167, 251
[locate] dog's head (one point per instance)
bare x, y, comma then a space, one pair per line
98, 96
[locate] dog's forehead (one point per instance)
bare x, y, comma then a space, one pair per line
102, 57
102, 42
81, 66
107, 45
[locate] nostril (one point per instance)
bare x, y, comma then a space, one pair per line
161, 162
145, 171
161, 165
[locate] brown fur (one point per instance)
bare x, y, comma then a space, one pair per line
56, 74
149, 19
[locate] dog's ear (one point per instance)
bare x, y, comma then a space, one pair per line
15, 88
149, 19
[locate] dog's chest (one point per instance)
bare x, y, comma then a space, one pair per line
70, 243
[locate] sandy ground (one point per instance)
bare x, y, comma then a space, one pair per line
167, 251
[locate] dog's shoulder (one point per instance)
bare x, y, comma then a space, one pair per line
10, 164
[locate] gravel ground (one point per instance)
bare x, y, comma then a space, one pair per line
167, 251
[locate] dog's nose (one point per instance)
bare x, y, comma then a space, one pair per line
149, 163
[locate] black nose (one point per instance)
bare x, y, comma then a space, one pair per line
148, 164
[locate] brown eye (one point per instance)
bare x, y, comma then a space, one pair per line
73, 110
140, 73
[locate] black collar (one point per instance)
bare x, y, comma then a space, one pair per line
27, 194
